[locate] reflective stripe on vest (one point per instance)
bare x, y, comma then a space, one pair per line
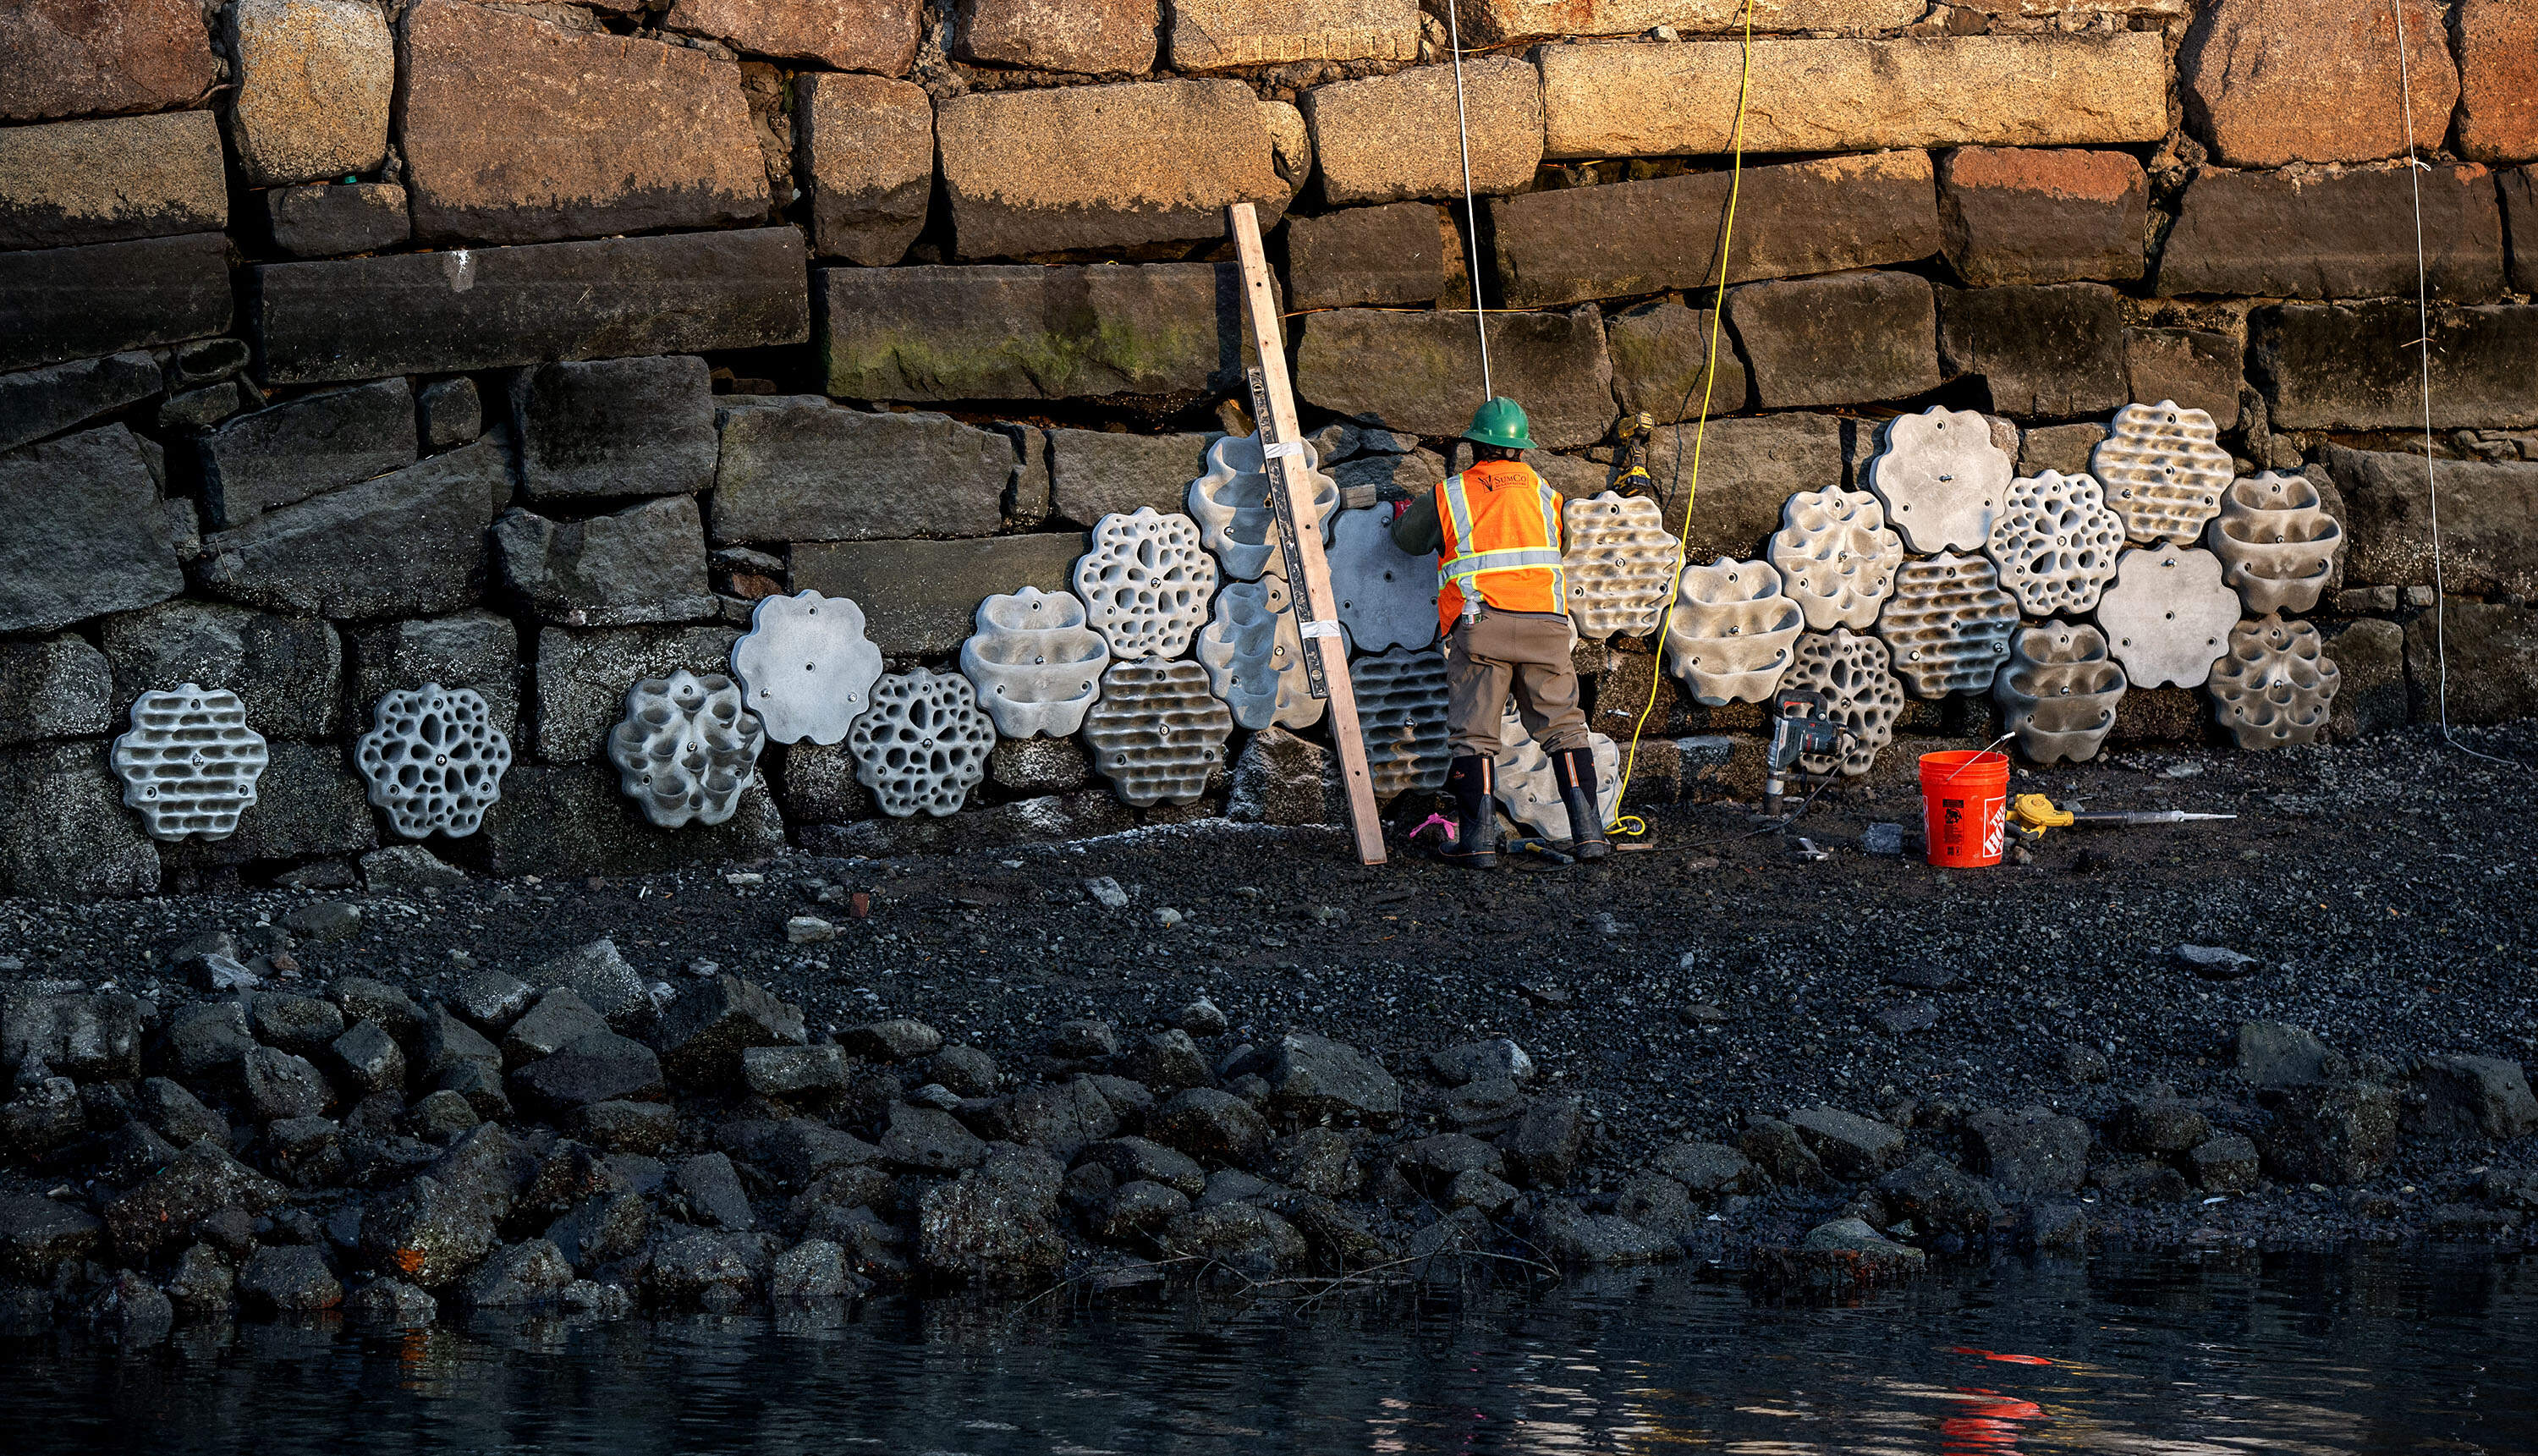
1465, 568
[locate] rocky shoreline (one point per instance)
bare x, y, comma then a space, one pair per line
1216, 1052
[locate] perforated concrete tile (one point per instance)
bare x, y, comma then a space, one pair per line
1619, 559
1034, 663
2056, 543
1401, 700
1387, 597
433, 760
1529, 790
2277, 684
2164, 470
923, 745
1230, 503
1948, 624
805, 666
1856, 678
1836, 556
2059, 690
685, 749
1146, 583
2275, 542
1732, 632
2167, 616
1158, 733
189, 763
1941, 479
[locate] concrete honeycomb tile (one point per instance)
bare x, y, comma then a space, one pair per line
1387, 597
1836, 556
1529, 792
2275, 542
433, 760
1948, 624
1620, 562
2056, 543
2167, 616
2277, 684
1254, 655
1230, 503
1401, 698
923, 745
1158, 733
1146, 583
189, 763
1731, 632
1941, 476
806, 665
686, 748
1036, 665
2164, 470
1856, 681
2059, 690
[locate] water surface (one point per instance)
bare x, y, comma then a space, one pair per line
2415, 1353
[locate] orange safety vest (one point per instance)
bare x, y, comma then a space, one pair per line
1501, 540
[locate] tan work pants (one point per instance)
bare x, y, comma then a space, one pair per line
1521, 650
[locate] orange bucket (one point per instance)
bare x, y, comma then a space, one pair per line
1965, 798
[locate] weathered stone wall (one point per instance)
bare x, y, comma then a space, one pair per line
349, 346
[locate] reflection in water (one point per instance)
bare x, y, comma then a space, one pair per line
2155, 1356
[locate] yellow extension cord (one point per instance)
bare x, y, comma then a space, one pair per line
1632, 824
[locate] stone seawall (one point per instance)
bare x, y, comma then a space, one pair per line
348, 348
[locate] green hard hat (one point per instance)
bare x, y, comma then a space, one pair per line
1501, 423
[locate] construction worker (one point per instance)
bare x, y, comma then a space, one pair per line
1501, 606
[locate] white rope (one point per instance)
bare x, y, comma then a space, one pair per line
1471, 217
2415, 169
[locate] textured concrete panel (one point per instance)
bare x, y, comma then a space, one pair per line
923, 745
1855, 675
1146, 583
189, 761
434, 760
1941, 479
2059, 691
1948, 624
1035, 664
2277, 685
685, 749
1836, 557
1387, 597
2275, 542
2168, 615
1230, 503
1732, 631
805, 667
2056, 543
1158, 733
1401, 702
2164, 470
1620, 560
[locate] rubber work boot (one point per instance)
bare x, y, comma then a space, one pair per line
1476, 835
1574, 768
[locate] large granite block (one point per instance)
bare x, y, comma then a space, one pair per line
2348, 235
1852, 338
2052, 351
1223, 34
485, 309
54, 688
86, 58
2489, 541
1013, 333
78, 302
72, 838
410, 544
2266, 83
1094, 473
803, 469
1420, 373
88, 534
1094, 167
644, 563
2021, 215
1400, 253
34, 403
2029, 90
76, 182
305, 447
569, 819
1386, 138
289, 670
1627, 238
315, 82
919, 597
516, 130
878, 36
582, 676
468, 650
614, 427
867, 148
2357, 366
